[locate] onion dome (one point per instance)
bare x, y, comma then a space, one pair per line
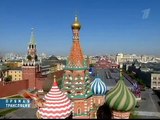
120, 98
57, 105
98, 87
76, 24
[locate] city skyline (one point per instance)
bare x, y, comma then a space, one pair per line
107, 26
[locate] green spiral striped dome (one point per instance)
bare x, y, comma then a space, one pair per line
120, 98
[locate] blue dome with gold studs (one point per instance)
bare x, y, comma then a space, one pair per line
98, 87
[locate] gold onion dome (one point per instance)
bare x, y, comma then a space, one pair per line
120, 98
76, 24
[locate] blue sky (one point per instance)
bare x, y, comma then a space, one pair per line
108, 26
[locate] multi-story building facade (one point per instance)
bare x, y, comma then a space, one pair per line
59, 66
122, 58
93, 60
16, 74
104, 62
155, 81
14, 63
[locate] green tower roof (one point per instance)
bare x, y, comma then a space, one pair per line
32, 39
120, 98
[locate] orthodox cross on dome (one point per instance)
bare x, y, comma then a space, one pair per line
76, 18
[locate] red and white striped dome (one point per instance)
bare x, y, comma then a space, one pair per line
57, 105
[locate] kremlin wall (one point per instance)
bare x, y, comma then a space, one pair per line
14, 87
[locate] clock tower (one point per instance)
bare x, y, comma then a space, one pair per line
31, 65
32, 50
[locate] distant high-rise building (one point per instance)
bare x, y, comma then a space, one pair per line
155, 80
123, 58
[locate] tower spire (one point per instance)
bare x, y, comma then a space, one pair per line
77, 69
32, 39
76, 56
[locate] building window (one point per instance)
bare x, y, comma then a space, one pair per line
154, 83
154, 78
79, 111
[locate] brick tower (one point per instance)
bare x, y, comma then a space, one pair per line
76, 81
31, 65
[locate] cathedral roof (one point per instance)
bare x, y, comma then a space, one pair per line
57, 105
120, 98
53, 58
98, 87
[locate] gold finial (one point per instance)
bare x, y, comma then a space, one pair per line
76, 24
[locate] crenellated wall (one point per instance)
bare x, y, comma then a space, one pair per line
12, 88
